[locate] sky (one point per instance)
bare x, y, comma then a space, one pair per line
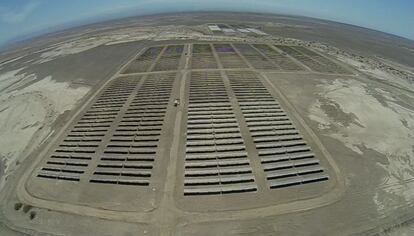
25, 17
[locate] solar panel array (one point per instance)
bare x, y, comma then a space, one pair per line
116, 139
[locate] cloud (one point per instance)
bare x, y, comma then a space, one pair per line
19, 15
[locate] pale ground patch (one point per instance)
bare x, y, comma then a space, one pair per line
403, 230
377, 73
7, 79
383, 126
72, 47
115, 37
11, 60
26, 115
128, 39
82, 44
131, 34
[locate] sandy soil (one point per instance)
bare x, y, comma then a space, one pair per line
27, 113
354, 113
371, 118
125, 35
375, 71
403, 230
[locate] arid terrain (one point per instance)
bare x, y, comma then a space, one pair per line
241, 124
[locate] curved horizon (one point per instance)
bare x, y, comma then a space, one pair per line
33, 17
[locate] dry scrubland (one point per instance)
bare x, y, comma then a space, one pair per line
352, 111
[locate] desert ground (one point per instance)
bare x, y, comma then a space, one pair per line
354, 107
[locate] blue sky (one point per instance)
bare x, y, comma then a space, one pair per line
22, 17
